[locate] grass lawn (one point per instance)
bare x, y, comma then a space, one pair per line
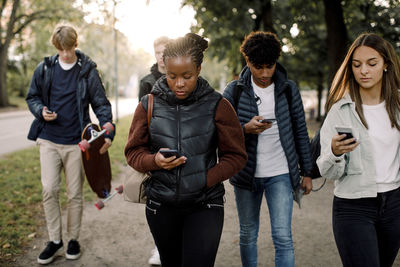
20, 193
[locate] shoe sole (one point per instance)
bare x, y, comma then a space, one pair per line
72, 256
59, 252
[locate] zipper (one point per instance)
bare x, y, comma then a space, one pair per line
152, 210
155, 203
179, 150
215, 206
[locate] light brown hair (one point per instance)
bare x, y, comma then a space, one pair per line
64, 37
345, 82
163, 40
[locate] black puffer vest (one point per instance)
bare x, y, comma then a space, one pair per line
189, 126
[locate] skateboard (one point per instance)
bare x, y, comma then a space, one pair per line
97, 166
100, 203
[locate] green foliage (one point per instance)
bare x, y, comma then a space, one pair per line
20, 193
226, 23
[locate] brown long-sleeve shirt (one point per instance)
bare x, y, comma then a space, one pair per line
231, 149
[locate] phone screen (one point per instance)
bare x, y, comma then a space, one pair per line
347, 132
169, 153
267, 120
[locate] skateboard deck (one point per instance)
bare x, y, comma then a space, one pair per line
97, 166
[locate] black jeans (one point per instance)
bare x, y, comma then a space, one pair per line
367, 230
186, 236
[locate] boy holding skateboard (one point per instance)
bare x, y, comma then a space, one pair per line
59, 95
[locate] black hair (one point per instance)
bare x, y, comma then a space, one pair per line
191, 44
261, 48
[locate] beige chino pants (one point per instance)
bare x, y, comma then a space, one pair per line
54, 158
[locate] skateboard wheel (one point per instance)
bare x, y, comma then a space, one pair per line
84, 145
120, 189
108, 127
99, 205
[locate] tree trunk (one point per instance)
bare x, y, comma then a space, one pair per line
264, 17
3, 78
5, 41
337, 35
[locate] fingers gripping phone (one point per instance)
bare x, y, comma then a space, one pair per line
347, 131
267, 120
167, 153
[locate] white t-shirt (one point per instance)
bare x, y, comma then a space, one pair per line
385, 142
271, 159
66, 66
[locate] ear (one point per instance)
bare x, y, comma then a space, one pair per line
247, 60
198, 70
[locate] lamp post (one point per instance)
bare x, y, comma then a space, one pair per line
115, 61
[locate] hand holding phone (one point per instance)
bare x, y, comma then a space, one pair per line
347, 131
167, 153
267, 120
337, 145
164, 160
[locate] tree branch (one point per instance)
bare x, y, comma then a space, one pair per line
11, 23
3, 5
41, 14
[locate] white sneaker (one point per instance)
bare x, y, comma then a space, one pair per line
155, 257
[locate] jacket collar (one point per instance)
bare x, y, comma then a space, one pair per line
84, 62
155, 72
161, 90
346, 100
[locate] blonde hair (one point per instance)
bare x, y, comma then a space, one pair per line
163, 40
64, 37
345, 82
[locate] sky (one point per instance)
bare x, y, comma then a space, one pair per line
142, 21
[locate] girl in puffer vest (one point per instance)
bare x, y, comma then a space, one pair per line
185, 206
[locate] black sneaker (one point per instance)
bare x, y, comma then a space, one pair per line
73, 251
50, 252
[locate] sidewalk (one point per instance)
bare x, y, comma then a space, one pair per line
118, 235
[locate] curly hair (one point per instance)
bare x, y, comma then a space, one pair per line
261, 48
191, 45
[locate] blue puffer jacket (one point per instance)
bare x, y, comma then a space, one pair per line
290, 117
90, 90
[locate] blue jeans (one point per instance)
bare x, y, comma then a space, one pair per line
278, 192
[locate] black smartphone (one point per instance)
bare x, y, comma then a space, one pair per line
267, 120
347, 131
49, 111
167, 153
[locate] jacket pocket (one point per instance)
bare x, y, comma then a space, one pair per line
36, 128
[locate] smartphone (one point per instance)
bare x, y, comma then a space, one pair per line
347, 131
267, 120
49, 111
169, 153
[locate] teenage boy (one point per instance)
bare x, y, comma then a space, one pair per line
157, 70
59, 95
271, 113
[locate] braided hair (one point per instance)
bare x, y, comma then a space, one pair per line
191, 45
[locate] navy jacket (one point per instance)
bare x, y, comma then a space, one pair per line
290, 119
90, 90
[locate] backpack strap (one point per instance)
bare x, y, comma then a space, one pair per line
237, 92
150, 101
